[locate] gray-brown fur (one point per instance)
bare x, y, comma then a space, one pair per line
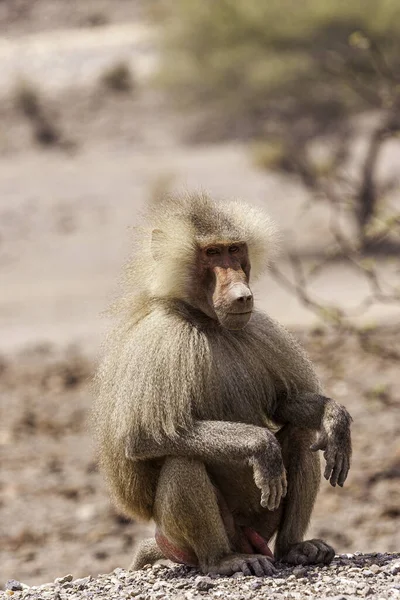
185, 406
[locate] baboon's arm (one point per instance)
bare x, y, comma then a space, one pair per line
331, 420
223, 442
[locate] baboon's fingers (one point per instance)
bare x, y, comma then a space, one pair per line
267, 565
272, 497
284, 484
337, 469
279, 493
265, 493
246, 569
330, 463
311, 551
325, 552
257, 567
344, 472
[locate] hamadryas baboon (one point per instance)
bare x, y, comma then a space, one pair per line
208, 413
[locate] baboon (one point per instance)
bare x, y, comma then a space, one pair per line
208, 412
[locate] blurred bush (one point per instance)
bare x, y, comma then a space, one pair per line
253, 65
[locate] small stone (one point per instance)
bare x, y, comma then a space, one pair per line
255, 585
360, 586
395, 568
367, 573
299, 572
83, 582
13, 585
279, 581
375, 569
238, 575
291, 578
205, 583
350, 590
65, 579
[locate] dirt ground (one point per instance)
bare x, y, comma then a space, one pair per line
64, 211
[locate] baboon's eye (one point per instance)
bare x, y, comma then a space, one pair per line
233, 249
211, 251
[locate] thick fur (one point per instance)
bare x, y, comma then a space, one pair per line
165, 365
170, 375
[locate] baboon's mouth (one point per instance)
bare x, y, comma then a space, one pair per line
236, 320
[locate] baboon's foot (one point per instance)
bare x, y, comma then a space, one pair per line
248, 564
310, 552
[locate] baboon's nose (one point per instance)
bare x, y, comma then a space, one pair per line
242, 298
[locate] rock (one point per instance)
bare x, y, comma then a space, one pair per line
83, 582
13, 585
367, 573
299, 572
255, 585
375, 569
63, 580
204, 583
395, 568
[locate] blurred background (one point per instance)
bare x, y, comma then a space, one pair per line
105, 104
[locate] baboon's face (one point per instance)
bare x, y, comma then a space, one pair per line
223, 291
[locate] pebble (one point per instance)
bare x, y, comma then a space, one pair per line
83, 582
255, 585
203, 583
13, 585
299, 572
63, 580
375, 569
394, 569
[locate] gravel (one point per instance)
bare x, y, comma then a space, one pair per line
349, 576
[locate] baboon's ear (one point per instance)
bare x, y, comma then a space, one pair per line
157, 242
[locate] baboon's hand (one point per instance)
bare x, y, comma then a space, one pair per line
270, 477
337, 453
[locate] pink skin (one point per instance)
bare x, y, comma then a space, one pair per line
250, 543
222, 287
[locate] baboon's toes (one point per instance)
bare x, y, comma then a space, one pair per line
309, 552
248, 564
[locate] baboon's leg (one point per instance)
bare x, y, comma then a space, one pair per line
147, 553
303, 475
188, 517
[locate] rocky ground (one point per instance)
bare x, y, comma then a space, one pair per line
348, 576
